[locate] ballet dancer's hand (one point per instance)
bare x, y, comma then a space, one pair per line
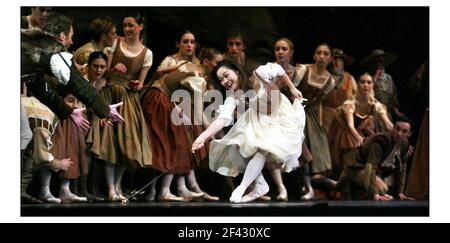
296, 93
198, 143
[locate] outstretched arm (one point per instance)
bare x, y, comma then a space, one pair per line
287, 81
214, 128
387, 123
161, 72
381, 112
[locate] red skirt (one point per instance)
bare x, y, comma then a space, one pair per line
68, 142
171, 148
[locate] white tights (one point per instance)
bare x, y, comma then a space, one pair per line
252, 173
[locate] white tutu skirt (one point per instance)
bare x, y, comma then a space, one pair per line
279, 136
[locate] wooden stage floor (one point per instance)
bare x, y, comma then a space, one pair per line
222, 208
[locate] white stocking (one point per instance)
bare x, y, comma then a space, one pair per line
165, 185
278, 179
45, 194
192, 182
184, 192
118, 174
181, 185
253, 169
109, 174
64, 187
260, 189
66, 195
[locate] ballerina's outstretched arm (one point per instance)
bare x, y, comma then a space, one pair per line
214, 128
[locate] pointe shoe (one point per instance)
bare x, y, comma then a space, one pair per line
236, 195
260, 190
73, 199
170, 198
264, 198
48, 197
210, 198
309, 195
190, 195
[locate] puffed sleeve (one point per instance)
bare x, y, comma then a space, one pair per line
148, 60
330, 86
42, 147
226, 110
195, 84
301, 70
380, 108
112, 48
169, 61
349, 106
60, 66
270, 71
81, 56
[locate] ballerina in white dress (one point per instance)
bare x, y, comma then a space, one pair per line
258, 136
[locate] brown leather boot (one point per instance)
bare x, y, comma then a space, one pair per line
26, 178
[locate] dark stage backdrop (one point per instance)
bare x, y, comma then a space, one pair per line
357, 30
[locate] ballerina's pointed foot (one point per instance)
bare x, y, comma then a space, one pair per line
190, 195
210, 198
169, 197
236, 195
260, 189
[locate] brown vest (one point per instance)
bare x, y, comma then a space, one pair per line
338, 95
133, 64
313, 94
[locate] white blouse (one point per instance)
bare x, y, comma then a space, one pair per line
268, 72
226, 111
169, 61
349, 106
